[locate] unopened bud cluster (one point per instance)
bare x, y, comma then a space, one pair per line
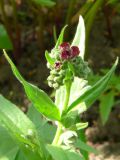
68, 64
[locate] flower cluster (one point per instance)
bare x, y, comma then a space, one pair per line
68, 52
68, 64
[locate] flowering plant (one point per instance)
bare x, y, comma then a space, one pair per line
31, 136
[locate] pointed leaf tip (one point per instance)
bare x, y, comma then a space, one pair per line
49, 58
79, 38
38, 97
61, 36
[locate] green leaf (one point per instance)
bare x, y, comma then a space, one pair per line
5, 41
61, 36
81, 145
8, 148
38, 97
48, 3
106, 103
93, 92
79, 86
79, 39
45, 130
81, 136
20, 128
61, 154
79, 126
16, 122
49, 59
20, 156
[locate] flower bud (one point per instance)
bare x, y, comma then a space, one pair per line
58, 65
61, 71
74, 51
64, 46
65, 55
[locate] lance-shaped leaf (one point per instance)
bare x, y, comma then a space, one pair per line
79, 86
79, 39
93, 92
38, 97
49, 59
60, 38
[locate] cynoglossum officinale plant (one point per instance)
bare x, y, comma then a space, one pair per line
33, 137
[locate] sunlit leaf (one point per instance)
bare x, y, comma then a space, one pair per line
49, 59
61, 36
93, 92
79, 39
39, 98
79, 86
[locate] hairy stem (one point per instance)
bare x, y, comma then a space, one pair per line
56, 140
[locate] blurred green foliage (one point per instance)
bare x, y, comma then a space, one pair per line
5, 41
110, 97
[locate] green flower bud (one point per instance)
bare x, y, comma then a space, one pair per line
55, 85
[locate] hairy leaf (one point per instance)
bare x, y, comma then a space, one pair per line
38, 97
49, 59
79, 86
93, 92
79, 39
60, 38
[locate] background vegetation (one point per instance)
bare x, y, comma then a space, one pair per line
28, 28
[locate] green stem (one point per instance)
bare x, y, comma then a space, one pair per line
57, 135
56, 140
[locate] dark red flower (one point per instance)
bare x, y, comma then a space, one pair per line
65, 54
74, 51
65, 46
68, 52
58, 65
